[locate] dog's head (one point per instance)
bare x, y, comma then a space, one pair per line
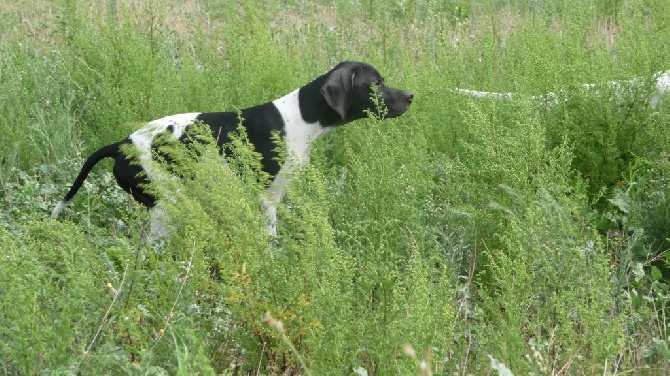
351, 87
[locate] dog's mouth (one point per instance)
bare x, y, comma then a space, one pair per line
398, 103
396, 113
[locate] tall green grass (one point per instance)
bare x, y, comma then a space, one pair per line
490, 235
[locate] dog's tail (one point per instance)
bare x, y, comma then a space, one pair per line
108, 151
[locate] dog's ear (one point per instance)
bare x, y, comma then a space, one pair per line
338, 89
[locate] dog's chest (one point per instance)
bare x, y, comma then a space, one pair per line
299, 133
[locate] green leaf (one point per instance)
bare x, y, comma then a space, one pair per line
655, 273
622, 201
662, 348
638, 271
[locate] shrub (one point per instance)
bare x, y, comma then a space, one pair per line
550, 291
53, 295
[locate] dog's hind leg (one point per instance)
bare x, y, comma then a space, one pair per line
159, 227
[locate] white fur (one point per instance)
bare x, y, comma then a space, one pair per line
158, 227
271, 200
484, 94
299, 133
551, 99
61, 205
143, 137
299, 138
662, 87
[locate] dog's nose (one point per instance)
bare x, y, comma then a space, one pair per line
409, 96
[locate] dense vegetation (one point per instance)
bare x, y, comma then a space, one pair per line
494, 236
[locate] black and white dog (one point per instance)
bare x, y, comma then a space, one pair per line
338, 97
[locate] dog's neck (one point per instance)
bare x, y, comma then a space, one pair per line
300, 129
314, 107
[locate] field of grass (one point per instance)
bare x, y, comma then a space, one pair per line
475, 236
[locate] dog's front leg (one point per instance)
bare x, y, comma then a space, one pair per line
271, 199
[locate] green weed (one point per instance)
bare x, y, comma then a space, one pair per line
494, 236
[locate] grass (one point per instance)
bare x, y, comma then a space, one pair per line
492, 236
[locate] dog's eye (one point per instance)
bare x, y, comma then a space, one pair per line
379, 82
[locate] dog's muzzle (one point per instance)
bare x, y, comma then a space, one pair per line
398, 102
